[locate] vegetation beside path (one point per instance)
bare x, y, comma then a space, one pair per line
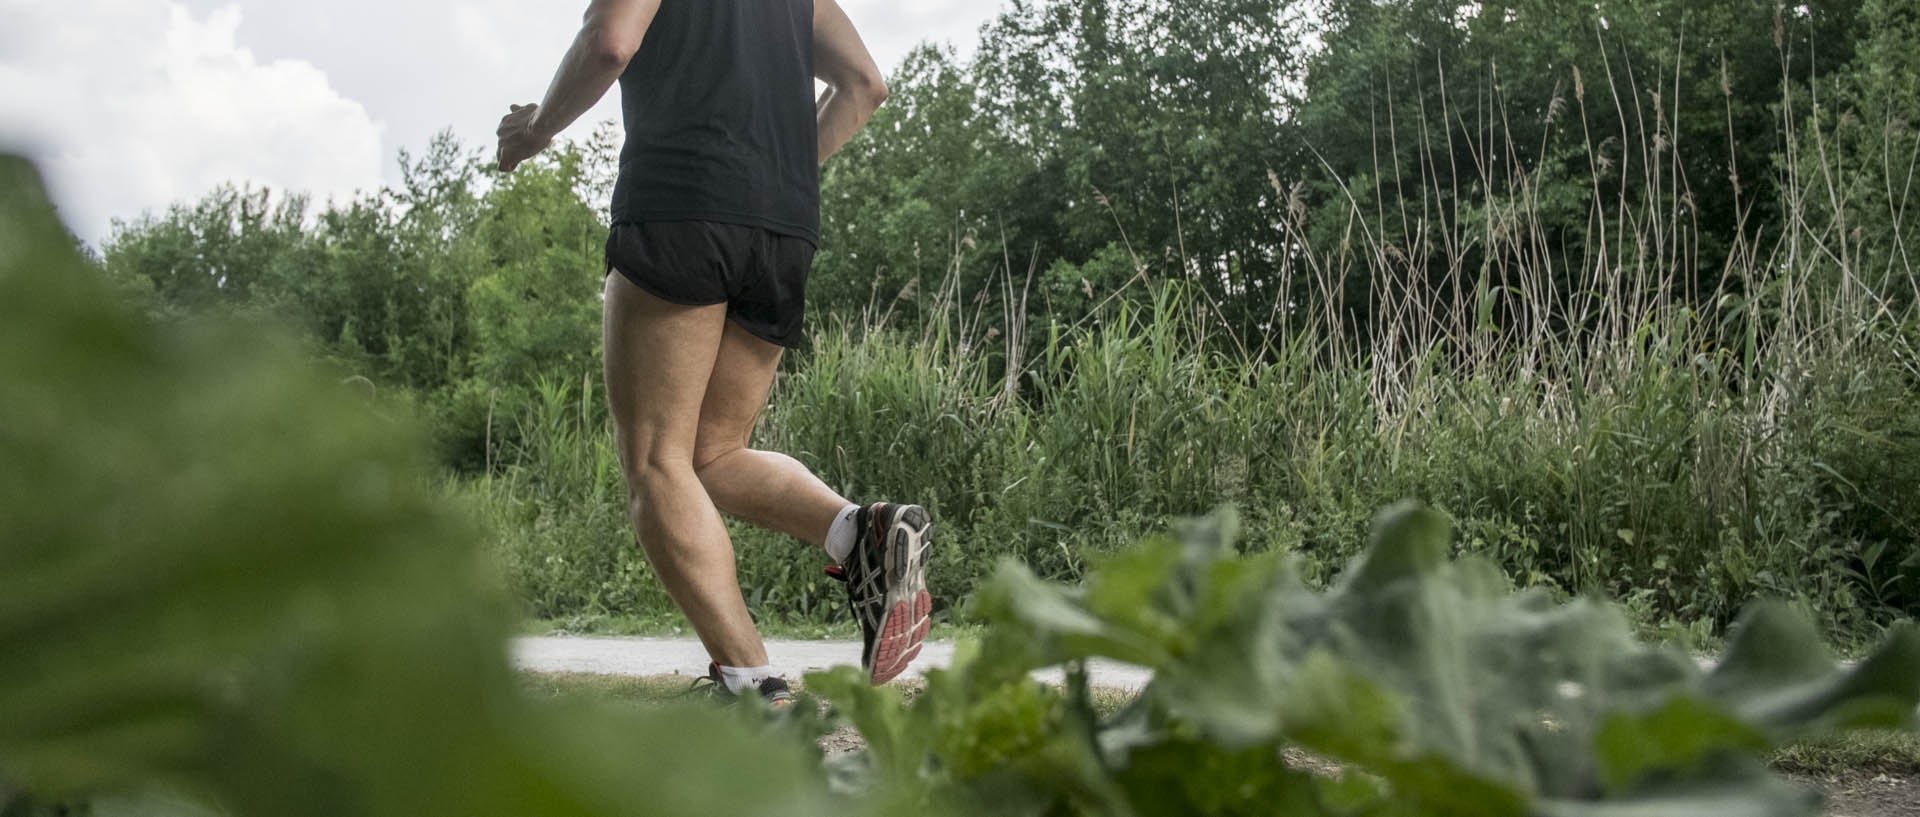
1624, 287
1868, 773
243, 593
1860, 754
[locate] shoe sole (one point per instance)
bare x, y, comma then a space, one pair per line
909, 606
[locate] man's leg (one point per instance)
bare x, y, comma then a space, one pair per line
659, 357
885, 564
767, 489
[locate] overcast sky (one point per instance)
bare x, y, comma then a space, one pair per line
129, 105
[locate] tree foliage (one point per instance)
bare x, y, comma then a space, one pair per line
456, 288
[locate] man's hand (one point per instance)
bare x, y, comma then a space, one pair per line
608, 38
518, 139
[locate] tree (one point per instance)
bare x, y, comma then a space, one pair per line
1855, 157
217, 252
535, 268
1530, 143
1083, 132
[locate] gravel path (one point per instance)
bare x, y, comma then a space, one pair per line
685, 656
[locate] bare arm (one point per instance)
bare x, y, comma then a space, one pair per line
855, 86
600, 52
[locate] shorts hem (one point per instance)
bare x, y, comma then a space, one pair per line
795, 342
655, 291
792, 343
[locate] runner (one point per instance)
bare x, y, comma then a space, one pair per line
715, 221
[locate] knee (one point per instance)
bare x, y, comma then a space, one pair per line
709, 462
653, 477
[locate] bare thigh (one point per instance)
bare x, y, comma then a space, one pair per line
659, 356
736, 393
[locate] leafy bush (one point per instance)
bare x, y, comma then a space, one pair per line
1425, 685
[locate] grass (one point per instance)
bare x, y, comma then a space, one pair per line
665, 690
628, 690
1869, 751
1675, 487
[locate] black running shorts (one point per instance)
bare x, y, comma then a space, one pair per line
759, 274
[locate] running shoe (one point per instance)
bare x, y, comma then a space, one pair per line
772, 690
886, 578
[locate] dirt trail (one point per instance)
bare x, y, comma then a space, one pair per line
1866, 794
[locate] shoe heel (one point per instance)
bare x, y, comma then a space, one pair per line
908, 543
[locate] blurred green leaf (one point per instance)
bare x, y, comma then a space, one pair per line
1431, 677
225, 576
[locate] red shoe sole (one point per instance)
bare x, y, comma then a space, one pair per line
908, 606
901, 636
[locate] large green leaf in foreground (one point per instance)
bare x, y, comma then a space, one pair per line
227, 577
1428, 685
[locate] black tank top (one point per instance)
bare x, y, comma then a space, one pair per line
719, 111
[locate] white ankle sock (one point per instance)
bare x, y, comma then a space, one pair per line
741, 679
840, 535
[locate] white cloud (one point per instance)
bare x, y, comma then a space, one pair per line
892, 28
130, 105
424, 65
